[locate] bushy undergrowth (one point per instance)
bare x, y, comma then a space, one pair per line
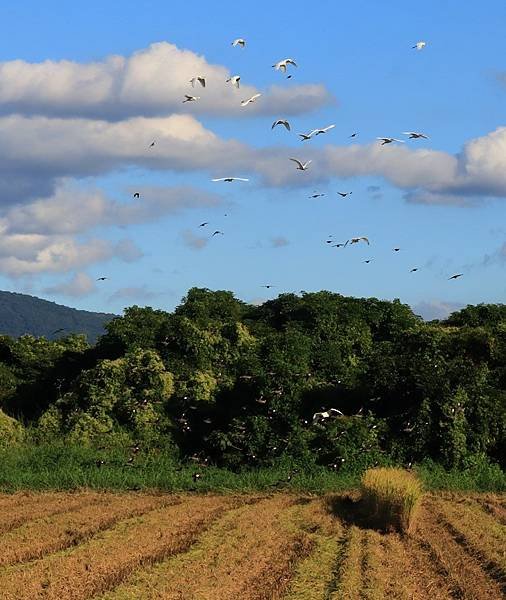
391, 497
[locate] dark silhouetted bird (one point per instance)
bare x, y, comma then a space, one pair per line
102, 278
344, 194
217, 233
455, 276
204, 224
137, 195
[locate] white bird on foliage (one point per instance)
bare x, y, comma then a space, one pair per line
420, 45
234, 80
249, 100
300, 165
389, 140
281, 122
230, 179
239, 42
356, 240
189, 98
321, 416
282, 64
414, 135
199, 79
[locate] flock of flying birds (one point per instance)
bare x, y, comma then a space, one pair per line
300, 165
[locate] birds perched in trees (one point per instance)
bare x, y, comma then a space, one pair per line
199, 79
234, 80
282, 64
356, 240
281, 122
229, 179
250, 100
239, 42
189, 98
300, 165
419, 45
415, 135
344, 194
389, 140
456, 276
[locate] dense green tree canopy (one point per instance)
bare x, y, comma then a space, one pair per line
240, 384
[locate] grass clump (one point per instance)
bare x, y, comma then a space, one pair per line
391, 498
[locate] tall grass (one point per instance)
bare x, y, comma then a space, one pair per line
391, 497
66, 467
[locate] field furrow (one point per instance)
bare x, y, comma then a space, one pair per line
63, 530
349, 573
249, 554
315, 573
103, 562
478, 530
465, 576
20, 508
494, 508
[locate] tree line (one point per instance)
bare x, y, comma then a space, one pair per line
238, 385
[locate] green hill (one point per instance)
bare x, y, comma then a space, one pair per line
23, 314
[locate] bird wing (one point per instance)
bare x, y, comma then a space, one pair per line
239, 179
202, 81
327, 128
308, 162
192, 81
219, 179
255, 96
286, 124
365, 239
335, 411
275, 123
384, 139
297, 161
290, 61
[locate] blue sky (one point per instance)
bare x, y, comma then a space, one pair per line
70, 149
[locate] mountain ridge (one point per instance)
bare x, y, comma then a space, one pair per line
22, 314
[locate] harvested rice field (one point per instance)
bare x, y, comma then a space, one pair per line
133, 546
